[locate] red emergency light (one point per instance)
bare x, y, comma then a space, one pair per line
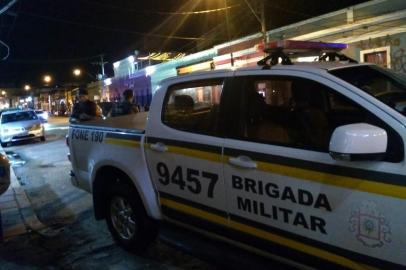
300, 46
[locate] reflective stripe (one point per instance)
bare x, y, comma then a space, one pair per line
310, 250
127, 143
123, 139
388, 188
336, 180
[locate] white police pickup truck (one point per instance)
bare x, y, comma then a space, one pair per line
302, 162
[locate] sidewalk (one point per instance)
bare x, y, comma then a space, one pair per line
16, 214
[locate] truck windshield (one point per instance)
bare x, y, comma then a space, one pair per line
387, 86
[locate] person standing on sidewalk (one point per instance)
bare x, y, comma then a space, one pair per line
85, 109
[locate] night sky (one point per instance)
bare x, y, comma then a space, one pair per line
54, 36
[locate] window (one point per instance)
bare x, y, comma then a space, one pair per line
286, 111
300, 113
193, 107
18, 116
379, 56
385, 85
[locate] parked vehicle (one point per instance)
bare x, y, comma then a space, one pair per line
4, 173
9, 109
20, 125
42, 115
301, 162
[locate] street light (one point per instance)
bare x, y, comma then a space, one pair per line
47, 78
3, 93
77, 72
27, 87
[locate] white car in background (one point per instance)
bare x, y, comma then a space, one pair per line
20, 125
43, 115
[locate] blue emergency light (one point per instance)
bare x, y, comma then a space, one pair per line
301, 46
280, 51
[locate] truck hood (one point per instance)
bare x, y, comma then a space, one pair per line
21, 124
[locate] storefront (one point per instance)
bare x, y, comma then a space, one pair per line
375, 31
138, 81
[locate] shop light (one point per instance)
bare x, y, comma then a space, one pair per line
131, 59
107, 81
150, 70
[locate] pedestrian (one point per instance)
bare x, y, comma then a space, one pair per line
84, 109
126, 106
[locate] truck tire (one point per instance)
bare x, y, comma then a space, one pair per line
127, 220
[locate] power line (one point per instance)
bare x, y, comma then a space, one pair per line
2, 10
291, 11
221, 26
109, 28
133, 10
14, 20
52, 61
7, 6
8, 50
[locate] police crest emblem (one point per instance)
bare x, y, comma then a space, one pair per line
369, 225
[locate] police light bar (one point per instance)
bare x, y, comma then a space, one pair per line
300, 46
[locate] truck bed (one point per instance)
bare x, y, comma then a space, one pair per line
132, 123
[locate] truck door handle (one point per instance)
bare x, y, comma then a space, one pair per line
159, 147
243, 162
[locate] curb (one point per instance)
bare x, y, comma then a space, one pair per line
28, 215
18, 216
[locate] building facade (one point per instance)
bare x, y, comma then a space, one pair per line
375, 31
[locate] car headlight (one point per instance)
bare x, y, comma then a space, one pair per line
35, 127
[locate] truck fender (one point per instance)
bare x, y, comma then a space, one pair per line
107, 173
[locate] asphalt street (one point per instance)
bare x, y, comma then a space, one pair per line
73, 239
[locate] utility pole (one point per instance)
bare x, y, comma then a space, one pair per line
259, 12
263, 22
227, 21
228, 31
101, 63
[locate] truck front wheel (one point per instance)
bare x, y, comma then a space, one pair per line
127, 220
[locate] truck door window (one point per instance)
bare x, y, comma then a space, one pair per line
193, 107
300, 113
286, 111
384, 84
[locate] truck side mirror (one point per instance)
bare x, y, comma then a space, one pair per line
358, 142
